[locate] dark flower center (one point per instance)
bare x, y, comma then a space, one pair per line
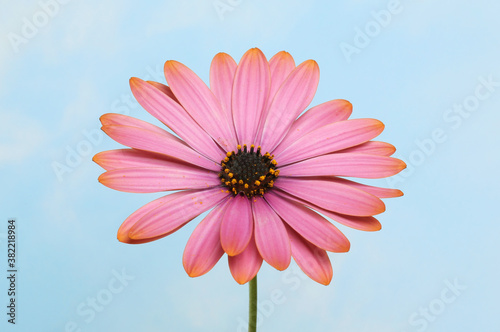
248, 172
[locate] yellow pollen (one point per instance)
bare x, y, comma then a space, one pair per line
246, 171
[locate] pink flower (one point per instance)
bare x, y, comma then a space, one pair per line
241, 151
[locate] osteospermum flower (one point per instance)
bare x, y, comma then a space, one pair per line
242, 151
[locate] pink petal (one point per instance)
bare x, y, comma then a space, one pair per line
310, 225
200, 103
129, 158
124, 230
222, 72
165, 109
165, 89
313, 261
250, 93
154, 179
270, 235
346, 164
280, 66
167, 218
203, 249
332, 196
153, 141
237, 225
369, 224
317, 117
291, 99
244, 267
376, 191
109, 119
372, 147
330, 138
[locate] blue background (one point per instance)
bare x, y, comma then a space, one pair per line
432, 267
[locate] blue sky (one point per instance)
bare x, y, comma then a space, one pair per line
428, 70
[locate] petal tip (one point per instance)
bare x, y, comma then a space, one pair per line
123, 237
135, 82
171, 64
102, 179
311, 65
104, 119
346, 247
241, 281
327, 280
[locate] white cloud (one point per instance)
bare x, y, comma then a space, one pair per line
84, 109
234, 17
92, 25
180, 14
11, 21
20, 136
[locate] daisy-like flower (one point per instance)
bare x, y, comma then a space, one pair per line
268, 176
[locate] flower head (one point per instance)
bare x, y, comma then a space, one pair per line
243, 152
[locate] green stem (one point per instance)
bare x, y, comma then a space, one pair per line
252, 312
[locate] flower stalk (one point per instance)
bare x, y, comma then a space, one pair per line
252, 312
